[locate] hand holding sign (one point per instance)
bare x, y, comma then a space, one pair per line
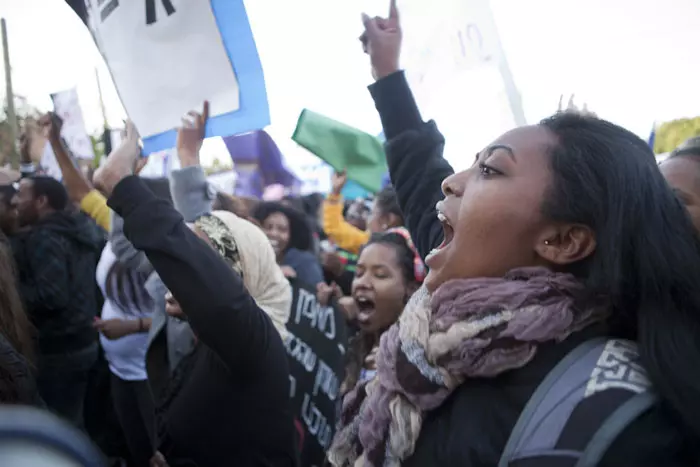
51, 124
382, 42
190, 136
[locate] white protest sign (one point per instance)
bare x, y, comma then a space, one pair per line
459, 74
67, 106
165, 60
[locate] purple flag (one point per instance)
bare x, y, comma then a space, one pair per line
260, 161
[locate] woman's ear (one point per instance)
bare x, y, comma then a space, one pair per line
566, 244
392, 220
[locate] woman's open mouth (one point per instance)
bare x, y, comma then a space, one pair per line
365, 308
447, 230
448, 234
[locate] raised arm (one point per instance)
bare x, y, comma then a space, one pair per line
220, 310
192, 195
414, 148
346, 236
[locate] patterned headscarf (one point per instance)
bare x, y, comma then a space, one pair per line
248, 251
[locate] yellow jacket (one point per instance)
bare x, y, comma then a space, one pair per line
95, 206
344, 235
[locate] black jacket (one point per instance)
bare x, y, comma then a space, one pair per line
471, 428
17, 383
56, 261
234, 406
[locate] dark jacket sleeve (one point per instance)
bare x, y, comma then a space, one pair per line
221, 312
414, 155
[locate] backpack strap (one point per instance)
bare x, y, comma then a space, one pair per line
615, 424
548, 433
522, 427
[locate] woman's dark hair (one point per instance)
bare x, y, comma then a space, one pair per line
300, 236
126, 288
361, 344
294, 202
647, 257
387, 202
14, 322
404, 254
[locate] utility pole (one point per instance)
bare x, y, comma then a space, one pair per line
11, 116
102, 101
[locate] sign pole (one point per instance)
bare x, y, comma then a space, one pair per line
11, 115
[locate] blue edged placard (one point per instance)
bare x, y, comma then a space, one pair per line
253, 112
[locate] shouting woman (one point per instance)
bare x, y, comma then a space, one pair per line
560, 233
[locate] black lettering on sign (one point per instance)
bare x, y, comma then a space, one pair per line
108, 8
316, 349
151, 10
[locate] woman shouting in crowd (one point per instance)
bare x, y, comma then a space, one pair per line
388, 272
560, 233
234, 407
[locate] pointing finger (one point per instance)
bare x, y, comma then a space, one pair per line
393, 10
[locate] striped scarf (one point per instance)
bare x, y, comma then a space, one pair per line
467, 328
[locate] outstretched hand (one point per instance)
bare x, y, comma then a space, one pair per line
381, 40
338, 181
121, 162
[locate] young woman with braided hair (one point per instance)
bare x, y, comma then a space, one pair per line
385, 278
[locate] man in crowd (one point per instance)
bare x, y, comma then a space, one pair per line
56, 250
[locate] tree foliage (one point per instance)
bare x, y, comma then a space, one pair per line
24, 111
671, 134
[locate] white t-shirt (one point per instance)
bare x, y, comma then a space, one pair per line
126, 356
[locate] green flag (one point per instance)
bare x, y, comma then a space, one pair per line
343, 148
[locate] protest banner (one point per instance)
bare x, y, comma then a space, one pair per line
316, 348
454, 61
167, 58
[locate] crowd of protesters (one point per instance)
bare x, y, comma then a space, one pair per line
163, 319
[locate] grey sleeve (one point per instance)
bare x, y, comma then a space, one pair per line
192, 195
124, 250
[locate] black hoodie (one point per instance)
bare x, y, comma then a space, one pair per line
56, 263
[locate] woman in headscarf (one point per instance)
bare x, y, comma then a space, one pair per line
233, 408
247, 252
